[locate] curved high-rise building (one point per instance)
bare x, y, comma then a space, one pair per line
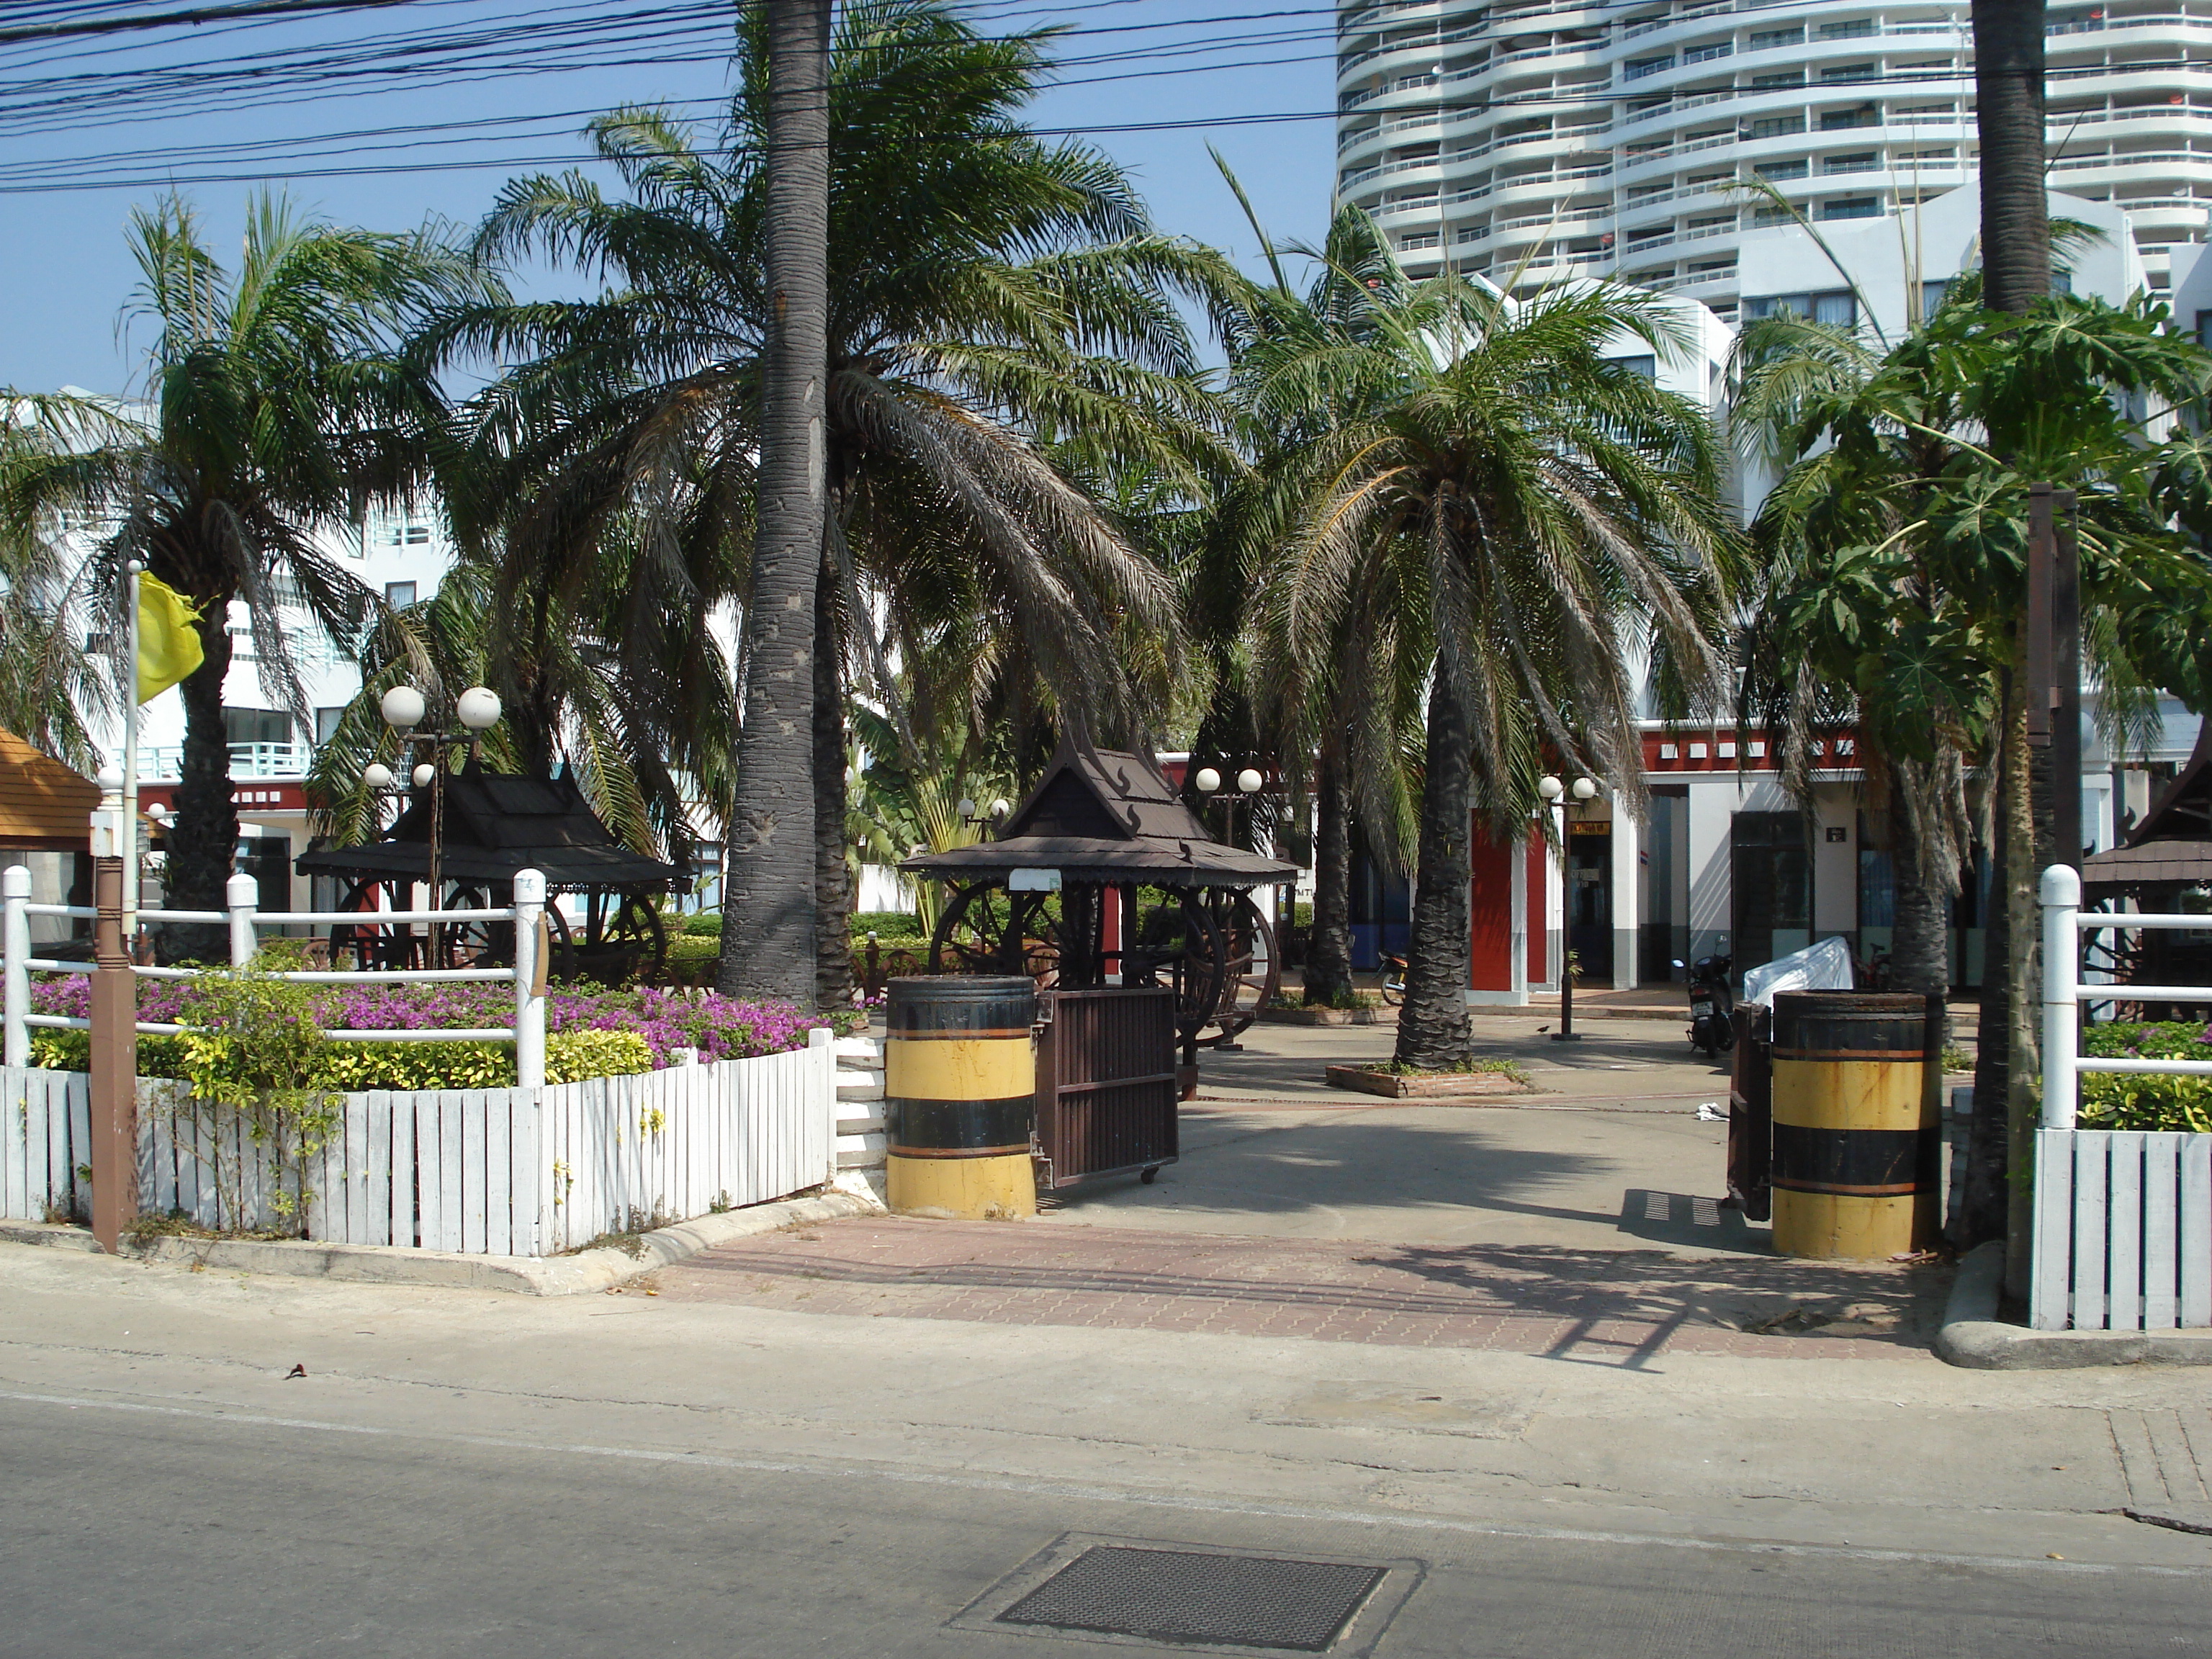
1529, 142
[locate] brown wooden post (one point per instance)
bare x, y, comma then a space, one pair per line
114, 1062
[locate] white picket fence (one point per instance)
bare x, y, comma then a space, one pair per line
2123, 1219
483, 1171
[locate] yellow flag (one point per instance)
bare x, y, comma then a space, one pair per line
168, 645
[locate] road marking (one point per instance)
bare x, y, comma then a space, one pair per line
818, 1468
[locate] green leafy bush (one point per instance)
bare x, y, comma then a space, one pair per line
355, 1067
707, 922
2112, 1100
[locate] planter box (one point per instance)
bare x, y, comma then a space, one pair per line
1328, 1016
1435, 1086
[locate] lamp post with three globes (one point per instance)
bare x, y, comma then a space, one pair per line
1556, 797
478, 710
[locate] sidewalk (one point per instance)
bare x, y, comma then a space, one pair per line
1611, 1308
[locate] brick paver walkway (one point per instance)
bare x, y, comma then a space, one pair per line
1608, 1307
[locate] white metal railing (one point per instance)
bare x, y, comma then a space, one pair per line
2123, 1219
163, 761
243, 917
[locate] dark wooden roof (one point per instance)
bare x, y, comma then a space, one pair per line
44, 807
2172, 845
1107, 815
494, 826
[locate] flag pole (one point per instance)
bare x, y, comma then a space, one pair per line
127, 843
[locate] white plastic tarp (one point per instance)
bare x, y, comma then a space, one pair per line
1823, 966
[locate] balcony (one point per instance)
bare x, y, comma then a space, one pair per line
164, 762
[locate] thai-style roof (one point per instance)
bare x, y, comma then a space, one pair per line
494, 826
1107, 815
2172, 845
44, 807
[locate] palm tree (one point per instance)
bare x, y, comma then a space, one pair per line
2009, 120
1548, 516
50, 684
279, 403
1000, 310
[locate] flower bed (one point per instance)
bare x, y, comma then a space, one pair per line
591, 1031
2112, 1100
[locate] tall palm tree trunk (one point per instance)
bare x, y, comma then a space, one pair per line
1433, 1031
1328, 942
2008, 105
833, 875
768, 880
1927, 809
203, 842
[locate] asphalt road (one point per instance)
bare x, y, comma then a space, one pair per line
201, 1527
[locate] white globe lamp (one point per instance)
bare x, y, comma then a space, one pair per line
479, 708
376, 775
1584, 789
423, 775
1549, 787
1248, 781
402, 708
1207, 780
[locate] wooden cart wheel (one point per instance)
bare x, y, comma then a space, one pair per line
986, 930
623, 938
1251, 970
386, 945
1181, 937
476, 944
560, 952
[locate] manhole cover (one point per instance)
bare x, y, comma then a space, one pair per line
1193, 1596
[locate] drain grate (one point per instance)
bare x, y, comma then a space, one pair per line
1186, 1596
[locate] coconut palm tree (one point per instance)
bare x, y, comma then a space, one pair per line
278, 402
50, 684
1547, 518
994, 301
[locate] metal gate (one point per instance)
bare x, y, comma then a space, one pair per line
1106, 1092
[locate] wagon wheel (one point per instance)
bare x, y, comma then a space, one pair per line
1181, 934
476, 944
1252, 971
374, 944
561, 943
623, 938
987, 930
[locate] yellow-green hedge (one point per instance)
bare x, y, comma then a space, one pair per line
353, 1067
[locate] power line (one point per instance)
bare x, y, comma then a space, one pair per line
184, 19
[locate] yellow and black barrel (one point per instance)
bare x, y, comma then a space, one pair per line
1857, 1100
960, 1096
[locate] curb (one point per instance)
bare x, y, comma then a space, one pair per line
388, 1264
1974, 1338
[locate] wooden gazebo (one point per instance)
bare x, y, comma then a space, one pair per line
2164, 865
491, 828
1104, 876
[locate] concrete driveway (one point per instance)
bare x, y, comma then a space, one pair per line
1609, 1155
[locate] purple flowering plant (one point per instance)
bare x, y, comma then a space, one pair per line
718, 1026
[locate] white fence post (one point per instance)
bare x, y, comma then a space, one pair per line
2062, 1007
242, 894
820, 1050
15, 884
529, 1003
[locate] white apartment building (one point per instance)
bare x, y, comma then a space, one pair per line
1567, 140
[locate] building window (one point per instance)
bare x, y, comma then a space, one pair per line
1647, 366
1417, 240
1471, 233
1786, 78
1865, 161
1636, 69
326, 723
1763, 39
1847, 73
1852, 207
399, 595
1706, 54
405, 535
1857, 28
1834, 310
256, 726
1763, 217
1775, 170
1843, 120
1774, 126
1932, 295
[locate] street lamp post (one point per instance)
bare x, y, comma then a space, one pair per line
403, 708
1556, 796
1207, 782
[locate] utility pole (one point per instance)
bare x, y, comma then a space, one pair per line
767, 875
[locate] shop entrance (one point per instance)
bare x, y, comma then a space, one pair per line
1590, 900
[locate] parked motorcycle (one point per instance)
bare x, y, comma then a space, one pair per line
1712, 1003
1394, 980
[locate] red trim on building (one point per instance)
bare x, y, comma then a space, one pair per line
1490, 905
1539, 861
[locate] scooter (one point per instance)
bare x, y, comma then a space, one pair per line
1712, 1001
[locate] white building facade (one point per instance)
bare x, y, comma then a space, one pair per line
1534, 142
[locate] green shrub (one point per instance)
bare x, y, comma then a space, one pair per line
2114, 1100
707, 922
357, 1067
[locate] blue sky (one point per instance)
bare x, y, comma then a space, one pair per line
65, 273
